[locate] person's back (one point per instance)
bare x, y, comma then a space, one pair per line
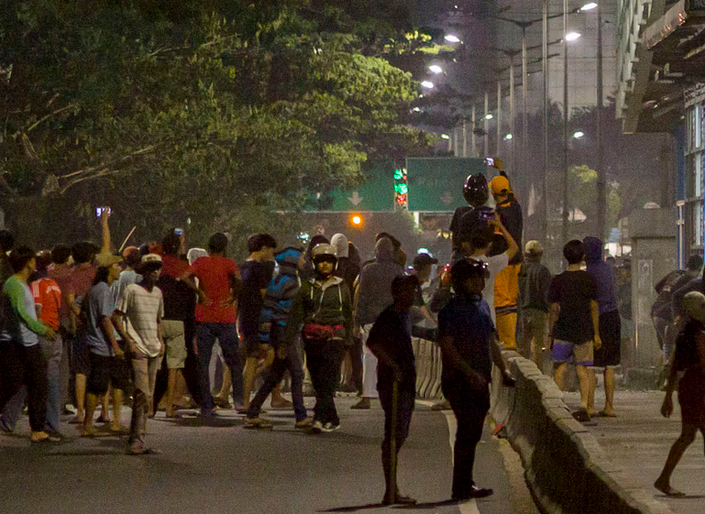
602, 273
214, 274
374, 290
573, 291
534, 283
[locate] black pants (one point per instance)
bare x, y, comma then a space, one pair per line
323, 359
21, 365
470, 408
405, 408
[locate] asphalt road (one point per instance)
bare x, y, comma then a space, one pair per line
223, 468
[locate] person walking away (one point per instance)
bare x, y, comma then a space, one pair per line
109, 369
689, 365
469, 346
373, 295
60, 272
608, 355
21, 359
178, 325
255, 279
141, 309
574, 323
390, 341
216, 318
534, 283
280, 296
324, 308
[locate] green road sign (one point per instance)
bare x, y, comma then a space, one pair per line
376, 193
436, 184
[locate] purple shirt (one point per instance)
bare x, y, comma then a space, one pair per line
606, 291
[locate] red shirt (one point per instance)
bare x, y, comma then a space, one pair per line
81, 280
174, 267
214, 275
61, 274
46, 293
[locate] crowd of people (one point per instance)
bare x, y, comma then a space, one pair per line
144, 323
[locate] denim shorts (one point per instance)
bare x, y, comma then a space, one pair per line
578, 354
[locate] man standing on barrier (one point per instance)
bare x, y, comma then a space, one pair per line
468, 342
390, 341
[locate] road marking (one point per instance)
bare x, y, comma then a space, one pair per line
466, 507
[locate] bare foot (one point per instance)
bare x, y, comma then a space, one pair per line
669, 491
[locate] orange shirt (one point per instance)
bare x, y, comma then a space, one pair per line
46, 293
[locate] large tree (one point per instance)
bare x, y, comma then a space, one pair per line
212, 110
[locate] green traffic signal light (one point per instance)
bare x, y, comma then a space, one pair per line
398, 174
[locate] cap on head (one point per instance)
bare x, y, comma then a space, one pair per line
150, 262
694, 305
422, 260
475, 190
533, 248
500, 185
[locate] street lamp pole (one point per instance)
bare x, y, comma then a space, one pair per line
544, 182
565, 124
473, 121
487, 124
512, 114
499, 117
524, 112
601, 175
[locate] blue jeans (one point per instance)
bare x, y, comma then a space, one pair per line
274, 374
226, 334
51, 351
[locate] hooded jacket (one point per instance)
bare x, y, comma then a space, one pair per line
280, 295
375, 289
602, 273
534, 283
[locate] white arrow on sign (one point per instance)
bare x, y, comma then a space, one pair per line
355, 199
447, 198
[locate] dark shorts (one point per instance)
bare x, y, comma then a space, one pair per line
80, 355
105, 371
611, 335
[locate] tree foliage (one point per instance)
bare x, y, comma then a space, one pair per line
199, 109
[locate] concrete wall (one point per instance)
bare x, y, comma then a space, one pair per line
566, 469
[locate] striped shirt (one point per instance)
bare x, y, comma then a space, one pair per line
144, 311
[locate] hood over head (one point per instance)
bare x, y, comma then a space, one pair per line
593, 249
384, 250
340, 243
288, 259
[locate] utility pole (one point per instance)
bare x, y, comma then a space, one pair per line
487, 124
473, 141
499, 117
544, 182
602, 206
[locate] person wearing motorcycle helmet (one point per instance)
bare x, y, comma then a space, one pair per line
324, 307
467, 219
467, 338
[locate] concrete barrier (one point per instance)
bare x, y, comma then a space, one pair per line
566, 469
428, 369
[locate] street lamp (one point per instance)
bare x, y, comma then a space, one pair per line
579, 134
488, 116
572, 36
445, 136
451, 38
435, 69
589, 6
508, 137
427, 84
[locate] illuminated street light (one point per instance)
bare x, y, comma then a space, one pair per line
488, 116
579, 134
427, 84
508, 137
435, 69
452, 39
445, 136
356, 220
589, 6
572, 36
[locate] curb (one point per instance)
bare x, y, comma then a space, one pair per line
566, 469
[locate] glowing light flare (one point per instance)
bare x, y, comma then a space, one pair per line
572, 36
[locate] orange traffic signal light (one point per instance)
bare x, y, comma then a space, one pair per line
356, 220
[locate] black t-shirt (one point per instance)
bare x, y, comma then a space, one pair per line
455, 224
255, 277
473, 220
179, 299
573, 291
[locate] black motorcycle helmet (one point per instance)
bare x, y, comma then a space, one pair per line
475, 190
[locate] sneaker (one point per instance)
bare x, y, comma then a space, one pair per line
257, 423
304, 423
330, 427
317, 427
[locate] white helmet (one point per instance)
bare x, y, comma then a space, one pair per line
323, 250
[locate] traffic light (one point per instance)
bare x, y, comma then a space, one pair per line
401, 187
